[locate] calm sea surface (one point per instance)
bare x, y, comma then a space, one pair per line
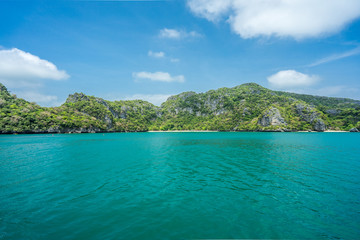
180, 186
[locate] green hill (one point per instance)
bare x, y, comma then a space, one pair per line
247, 107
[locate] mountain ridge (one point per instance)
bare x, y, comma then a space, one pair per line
246, 107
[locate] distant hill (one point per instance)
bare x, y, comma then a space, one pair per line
247, 107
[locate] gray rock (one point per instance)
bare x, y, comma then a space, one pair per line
105, 104
319, 125
76, 97
189, 110
354, 130
213, 104
56, 129
254, 91
158, 113
108, 121
332, 112
306, 113
310, 115
124, 111
246, 111
220, 111
272, 117
292, 99
182, 96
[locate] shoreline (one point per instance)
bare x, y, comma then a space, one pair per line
184, 131
335, 131
181, 131
177, 131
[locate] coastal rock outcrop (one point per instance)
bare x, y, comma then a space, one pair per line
76, 97
311, 115
247, 107
272, 117
354, 130
319, 125
71, 130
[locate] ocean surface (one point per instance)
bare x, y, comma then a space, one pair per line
180, 186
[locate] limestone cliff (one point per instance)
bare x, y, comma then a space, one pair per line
247, 107
272, 117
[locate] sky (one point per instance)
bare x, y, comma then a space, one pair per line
150, 50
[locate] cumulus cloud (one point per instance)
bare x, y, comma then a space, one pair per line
158, 77
156, 54
22, 69
282, 18
25, 73
292, 79
156, 99
169, 33
177, 34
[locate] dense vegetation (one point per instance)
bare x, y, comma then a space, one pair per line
248, 107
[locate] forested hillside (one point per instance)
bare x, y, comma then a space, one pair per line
247, 107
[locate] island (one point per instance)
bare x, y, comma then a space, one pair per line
247, 107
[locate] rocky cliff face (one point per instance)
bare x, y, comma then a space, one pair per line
240, 106
108, 115
272, 117
354, 130
76, 97
311, 115
134, 115
248, 107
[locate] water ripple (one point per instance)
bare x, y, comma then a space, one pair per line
180, 186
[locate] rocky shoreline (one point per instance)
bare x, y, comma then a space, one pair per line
244, 108
80, 131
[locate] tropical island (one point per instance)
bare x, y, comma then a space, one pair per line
247, 107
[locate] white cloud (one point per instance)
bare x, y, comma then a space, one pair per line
169, 33
22, 69
210, 9
162, 55
24, 73
155, 99
156, 54
292, 79
296, 82
159, 77
281, 18
335, 57
177, 34
34, 96
192, 34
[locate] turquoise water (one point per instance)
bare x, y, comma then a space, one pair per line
180, 186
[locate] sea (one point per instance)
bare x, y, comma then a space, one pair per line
190, 185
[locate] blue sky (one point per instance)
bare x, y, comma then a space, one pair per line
152, 49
